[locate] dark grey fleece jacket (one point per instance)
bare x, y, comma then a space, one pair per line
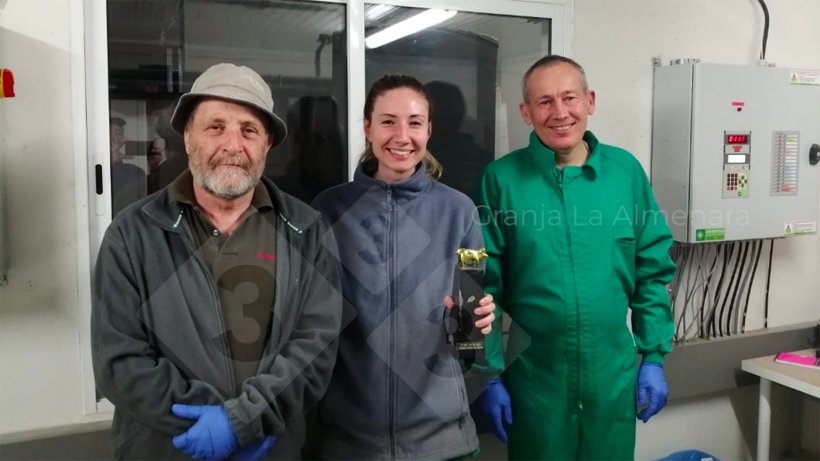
397, 390
158, 336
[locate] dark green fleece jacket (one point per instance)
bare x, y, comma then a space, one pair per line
158, 336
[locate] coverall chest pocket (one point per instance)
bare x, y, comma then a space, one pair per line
623, 259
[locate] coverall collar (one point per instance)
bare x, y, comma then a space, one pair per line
543, 157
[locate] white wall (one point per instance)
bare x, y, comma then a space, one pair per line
615, 41
39, 330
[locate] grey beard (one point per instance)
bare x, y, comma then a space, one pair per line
213, 186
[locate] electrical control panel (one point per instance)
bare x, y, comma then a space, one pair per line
731, 150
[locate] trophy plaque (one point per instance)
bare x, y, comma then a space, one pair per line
468, 289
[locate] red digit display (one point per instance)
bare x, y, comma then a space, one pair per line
737, 139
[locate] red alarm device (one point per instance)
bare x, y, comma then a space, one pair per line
6, 83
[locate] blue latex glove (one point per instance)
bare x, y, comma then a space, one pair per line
652, 390
211, 437
496, 403
254, 451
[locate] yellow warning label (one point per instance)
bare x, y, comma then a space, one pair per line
799, 227
804, 77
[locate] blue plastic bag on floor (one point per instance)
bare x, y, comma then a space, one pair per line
689, 455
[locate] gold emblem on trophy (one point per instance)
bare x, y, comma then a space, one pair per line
467, 257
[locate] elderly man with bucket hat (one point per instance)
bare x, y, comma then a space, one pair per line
217, 302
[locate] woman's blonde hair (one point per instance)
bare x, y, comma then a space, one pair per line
392, 82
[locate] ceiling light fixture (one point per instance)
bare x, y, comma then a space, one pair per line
409, 26
374, 12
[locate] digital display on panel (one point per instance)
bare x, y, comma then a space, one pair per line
736, 158
737, 139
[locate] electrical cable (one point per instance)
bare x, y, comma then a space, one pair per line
749, 293
731, 283
745, 272
693, 272
768, 280
687, 294
703, 326
720, 317
708, 281
727, 256
681, 255
741, 263
737, 300
673, 291
698, 288
685, 273
701, 277
675, 254
695, 290
683, 264
691, 290
708, 304
723, 306
765, 30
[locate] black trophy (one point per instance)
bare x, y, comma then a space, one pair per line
468, 289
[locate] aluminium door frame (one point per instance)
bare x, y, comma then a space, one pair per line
90, 99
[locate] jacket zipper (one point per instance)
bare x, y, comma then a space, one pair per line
212, 287
462, 392
280, 298
560, 178
391, 277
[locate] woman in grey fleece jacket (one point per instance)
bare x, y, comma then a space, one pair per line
397, 390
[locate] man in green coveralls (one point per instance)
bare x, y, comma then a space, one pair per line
575, 240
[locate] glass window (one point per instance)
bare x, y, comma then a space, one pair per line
157, 48
471, 64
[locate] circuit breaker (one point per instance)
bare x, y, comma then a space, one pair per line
734, 150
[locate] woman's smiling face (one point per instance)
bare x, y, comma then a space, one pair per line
398, 130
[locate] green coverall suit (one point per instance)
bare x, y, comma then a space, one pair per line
570, 250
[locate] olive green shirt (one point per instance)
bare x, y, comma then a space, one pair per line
243, 269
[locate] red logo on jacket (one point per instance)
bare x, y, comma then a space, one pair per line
266, 256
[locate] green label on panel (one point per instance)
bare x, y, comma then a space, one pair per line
705, 235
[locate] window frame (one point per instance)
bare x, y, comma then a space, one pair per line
89, 75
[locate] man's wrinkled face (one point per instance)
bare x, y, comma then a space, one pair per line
557, 106
227, 144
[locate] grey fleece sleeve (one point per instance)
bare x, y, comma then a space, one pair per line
300, 373
127, 370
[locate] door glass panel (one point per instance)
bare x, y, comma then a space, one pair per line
471, 64
157, 48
